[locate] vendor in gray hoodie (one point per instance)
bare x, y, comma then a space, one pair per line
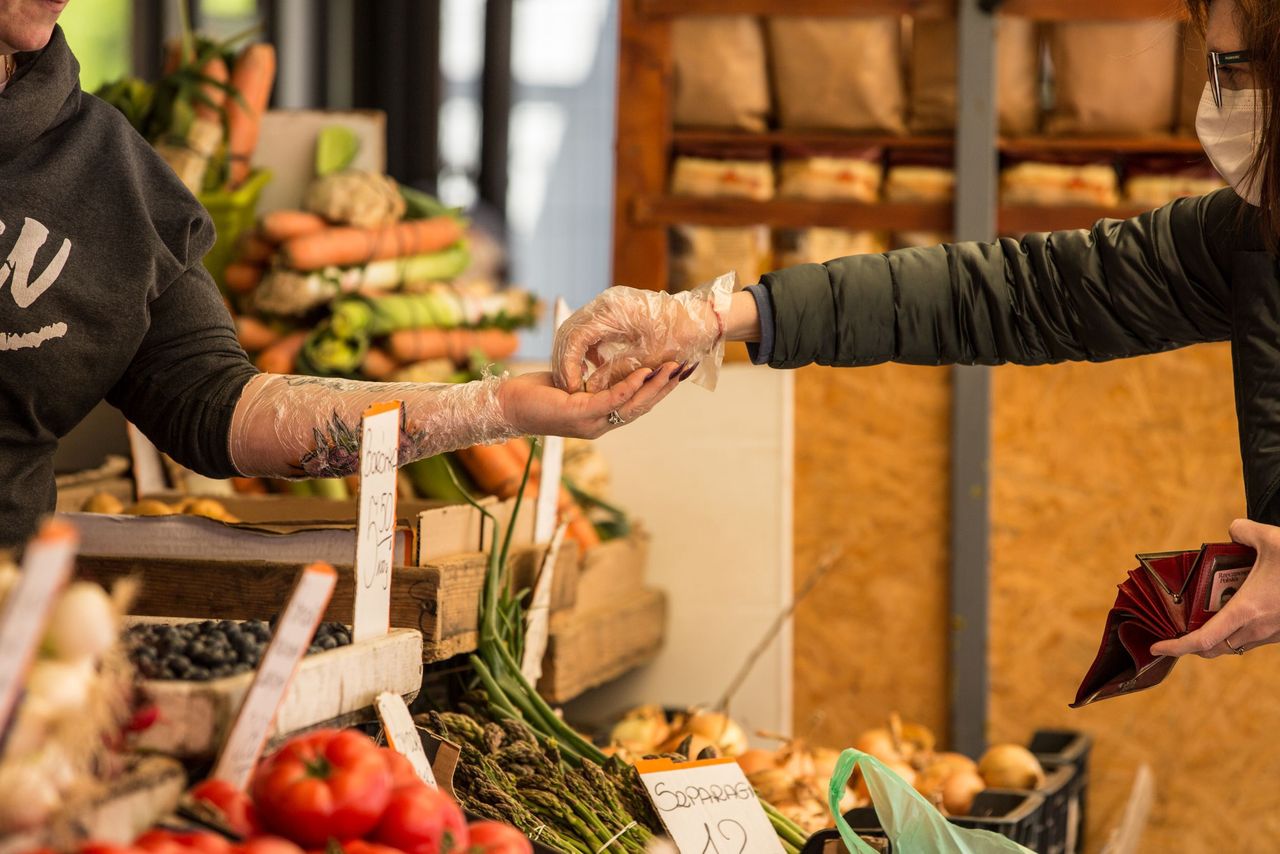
103, 296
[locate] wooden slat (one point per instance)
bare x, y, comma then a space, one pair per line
645, 72
1093, 10
794, 213
1103, 144
824, 8
1016, 219
832, 140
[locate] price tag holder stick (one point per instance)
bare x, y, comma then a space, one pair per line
289, 643
538, 621
46, 567
708, 807
402, 734
546, 510
376, 519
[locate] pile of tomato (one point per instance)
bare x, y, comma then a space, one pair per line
332, 792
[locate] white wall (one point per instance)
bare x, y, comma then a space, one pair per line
710, 474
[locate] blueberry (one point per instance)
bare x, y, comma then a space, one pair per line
179, 662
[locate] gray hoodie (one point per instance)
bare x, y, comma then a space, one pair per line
102, 293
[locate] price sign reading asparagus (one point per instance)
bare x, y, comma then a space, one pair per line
376, 522
289, 642
708, 807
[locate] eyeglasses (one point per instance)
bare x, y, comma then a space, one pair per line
1217, 59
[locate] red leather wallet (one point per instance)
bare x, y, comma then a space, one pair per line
1168, 595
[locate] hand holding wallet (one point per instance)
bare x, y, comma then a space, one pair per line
1168, 595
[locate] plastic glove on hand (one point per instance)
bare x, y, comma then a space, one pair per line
624, 329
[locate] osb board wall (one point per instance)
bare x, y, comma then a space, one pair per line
1092, 463
871, 478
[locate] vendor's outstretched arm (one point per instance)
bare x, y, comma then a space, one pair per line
308, 427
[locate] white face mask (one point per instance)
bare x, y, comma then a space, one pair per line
1230, 137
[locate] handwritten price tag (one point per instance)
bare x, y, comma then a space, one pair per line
538, 622
376, 523
708, 807
46, 566
296, 627
402, 734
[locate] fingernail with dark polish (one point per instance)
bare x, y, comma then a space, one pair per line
689, 372
652, 374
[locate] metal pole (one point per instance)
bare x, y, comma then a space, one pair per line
975, 219
496, 105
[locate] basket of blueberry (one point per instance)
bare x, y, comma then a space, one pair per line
201, 650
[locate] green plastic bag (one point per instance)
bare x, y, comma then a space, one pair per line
912, 823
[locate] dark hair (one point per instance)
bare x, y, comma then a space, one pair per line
1259, 23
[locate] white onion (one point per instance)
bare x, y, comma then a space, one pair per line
83, 623
63, 686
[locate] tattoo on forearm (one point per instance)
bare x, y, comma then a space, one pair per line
337, 448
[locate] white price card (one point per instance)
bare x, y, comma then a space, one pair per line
289, 642
402, 734
538, 621
376, 522
708, 807
546, 509
46, 566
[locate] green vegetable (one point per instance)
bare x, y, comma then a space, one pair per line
431, 479
336, 148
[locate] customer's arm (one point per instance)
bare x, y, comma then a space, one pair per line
1122, 288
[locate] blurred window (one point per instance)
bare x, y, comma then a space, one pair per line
99, 34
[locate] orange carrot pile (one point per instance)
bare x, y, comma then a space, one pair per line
255, 335
253, 76
241, 276
279, 226
343, 246
419, 345
282, 356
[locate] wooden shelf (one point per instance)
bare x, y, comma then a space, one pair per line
824, 8
1016, 219
1042, 10
817, 139
792, 213
1110, 144
1093, 10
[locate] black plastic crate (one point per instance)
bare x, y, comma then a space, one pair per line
1058, 747
1057, 831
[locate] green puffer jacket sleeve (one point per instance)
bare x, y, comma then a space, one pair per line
1122, 288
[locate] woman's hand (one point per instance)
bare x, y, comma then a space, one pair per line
534, 406
625, 329
1252, 617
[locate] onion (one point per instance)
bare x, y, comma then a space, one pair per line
63, 686
150, 507
1011, 766
960, 790
897, 766
824, 763
697, 744
932, 781
879, 743
774, 785
796, 760
721, 730
755, 761
954, 761
103, 502
83, 624
38, 802
641, 731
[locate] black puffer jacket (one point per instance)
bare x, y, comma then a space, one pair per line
1192, 271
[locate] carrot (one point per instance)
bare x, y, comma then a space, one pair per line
580, 529
255, 248
216, 70
248, 486
253, 76
241, 276
255, 335
378, 365
172, 56
282, 356
342, 246
279, 226
493, 468
419, 345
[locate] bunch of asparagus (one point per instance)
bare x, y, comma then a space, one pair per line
509, 773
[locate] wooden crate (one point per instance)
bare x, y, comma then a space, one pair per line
441, 600
594, 647
113, 812
334, 687
612, 572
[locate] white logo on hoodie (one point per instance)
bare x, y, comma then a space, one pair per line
16, 271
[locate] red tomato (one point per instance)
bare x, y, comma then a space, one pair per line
171, 842
422, 820
234, 804
267, 845
92, 847
494, 837
360, 846
402, 773
325, 784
